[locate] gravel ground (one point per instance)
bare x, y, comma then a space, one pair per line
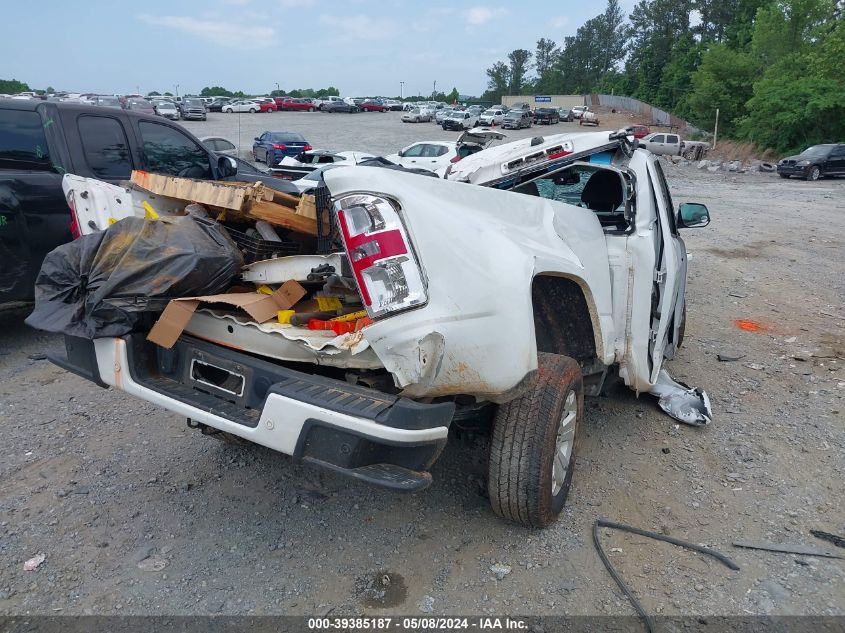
136, 514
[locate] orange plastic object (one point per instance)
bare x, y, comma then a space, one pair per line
338, 327
751, 326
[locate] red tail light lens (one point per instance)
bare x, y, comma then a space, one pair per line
74, 220
279, 146
455, 159
307, 148
380, 254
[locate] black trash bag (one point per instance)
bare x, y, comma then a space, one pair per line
107, 283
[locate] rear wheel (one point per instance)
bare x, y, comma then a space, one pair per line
533, 445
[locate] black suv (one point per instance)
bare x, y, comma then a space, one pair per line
815, 162
41, 141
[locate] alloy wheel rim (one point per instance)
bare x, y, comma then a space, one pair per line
564, 442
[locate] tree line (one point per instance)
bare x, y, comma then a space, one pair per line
769, 66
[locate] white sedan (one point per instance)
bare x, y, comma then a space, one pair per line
416, 115
241, 106
437, 155
491, 116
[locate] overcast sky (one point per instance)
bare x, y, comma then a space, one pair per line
363, 47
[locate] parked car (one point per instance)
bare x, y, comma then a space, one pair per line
271, 147
192, 108
340, 106
546, 116
140, 105
325, 101
217, 104
588, 117
408, 106
431, 260
459, 121
220, 145
40, 141
371, 105
662, 143
566, 115
166, 109
299, 105
516, 119
266, 104
441, 115
295, 167
436, 155
491, 116
638, 131
105, 101
815, 162
522, 105
577, 111
416, 115
240, 106
393, 104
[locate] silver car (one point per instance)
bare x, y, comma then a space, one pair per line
416, 115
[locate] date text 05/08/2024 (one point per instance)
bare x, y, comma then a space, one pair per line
417, 624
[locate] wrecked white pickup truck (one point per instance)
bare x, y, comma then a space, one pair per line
506, 292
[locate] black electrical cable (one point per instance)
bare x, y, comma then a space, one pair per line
638, 607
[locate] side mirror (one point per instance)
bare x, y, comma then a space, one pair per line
226, 166
256, 139
401, 153
692, 215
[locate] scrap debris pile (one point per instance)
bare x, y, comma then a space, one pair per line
215, 247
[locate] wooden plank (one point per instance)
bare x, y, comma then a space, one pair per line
307, 206
285, 199
235, 196
283, 216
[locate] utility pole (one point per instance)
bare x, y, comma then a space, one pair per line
434, 91
401, 89
278, 88
716, 129
177, 89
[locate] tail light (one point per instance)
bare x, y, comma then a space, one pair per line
307, 148
74, 220
380, 253
279, 146
455, 159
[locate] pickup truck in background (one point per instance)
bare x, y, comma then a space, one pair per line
42, 141
499, 296
662, 143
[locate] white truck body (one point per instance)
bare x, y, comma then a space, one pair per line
501, 277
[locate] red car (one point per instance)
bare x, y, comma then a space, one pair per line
372, 106
301, 105
639, 131
281, 101
265, 105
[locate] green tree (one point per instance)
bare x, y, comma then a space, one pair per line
520, 60
153, 93
215, 91
13, 86
453, 96
498, 81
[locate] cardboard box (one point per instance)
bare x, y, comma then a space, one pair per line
260, 307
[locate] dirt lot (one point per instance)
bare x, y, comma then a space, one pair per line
137, 514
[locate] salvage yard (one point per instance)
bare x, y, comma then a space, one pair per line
137, 514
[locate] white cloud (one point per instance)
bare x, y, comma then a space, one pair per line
361, 26
297, 4
476, 16
559, 21
238, 36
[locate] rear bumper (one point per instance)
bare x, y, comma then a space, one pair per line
360, 432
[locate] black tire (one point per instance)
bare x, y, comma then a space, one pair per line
255, 157
784, 175
814, 173
252, 110
523, 445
